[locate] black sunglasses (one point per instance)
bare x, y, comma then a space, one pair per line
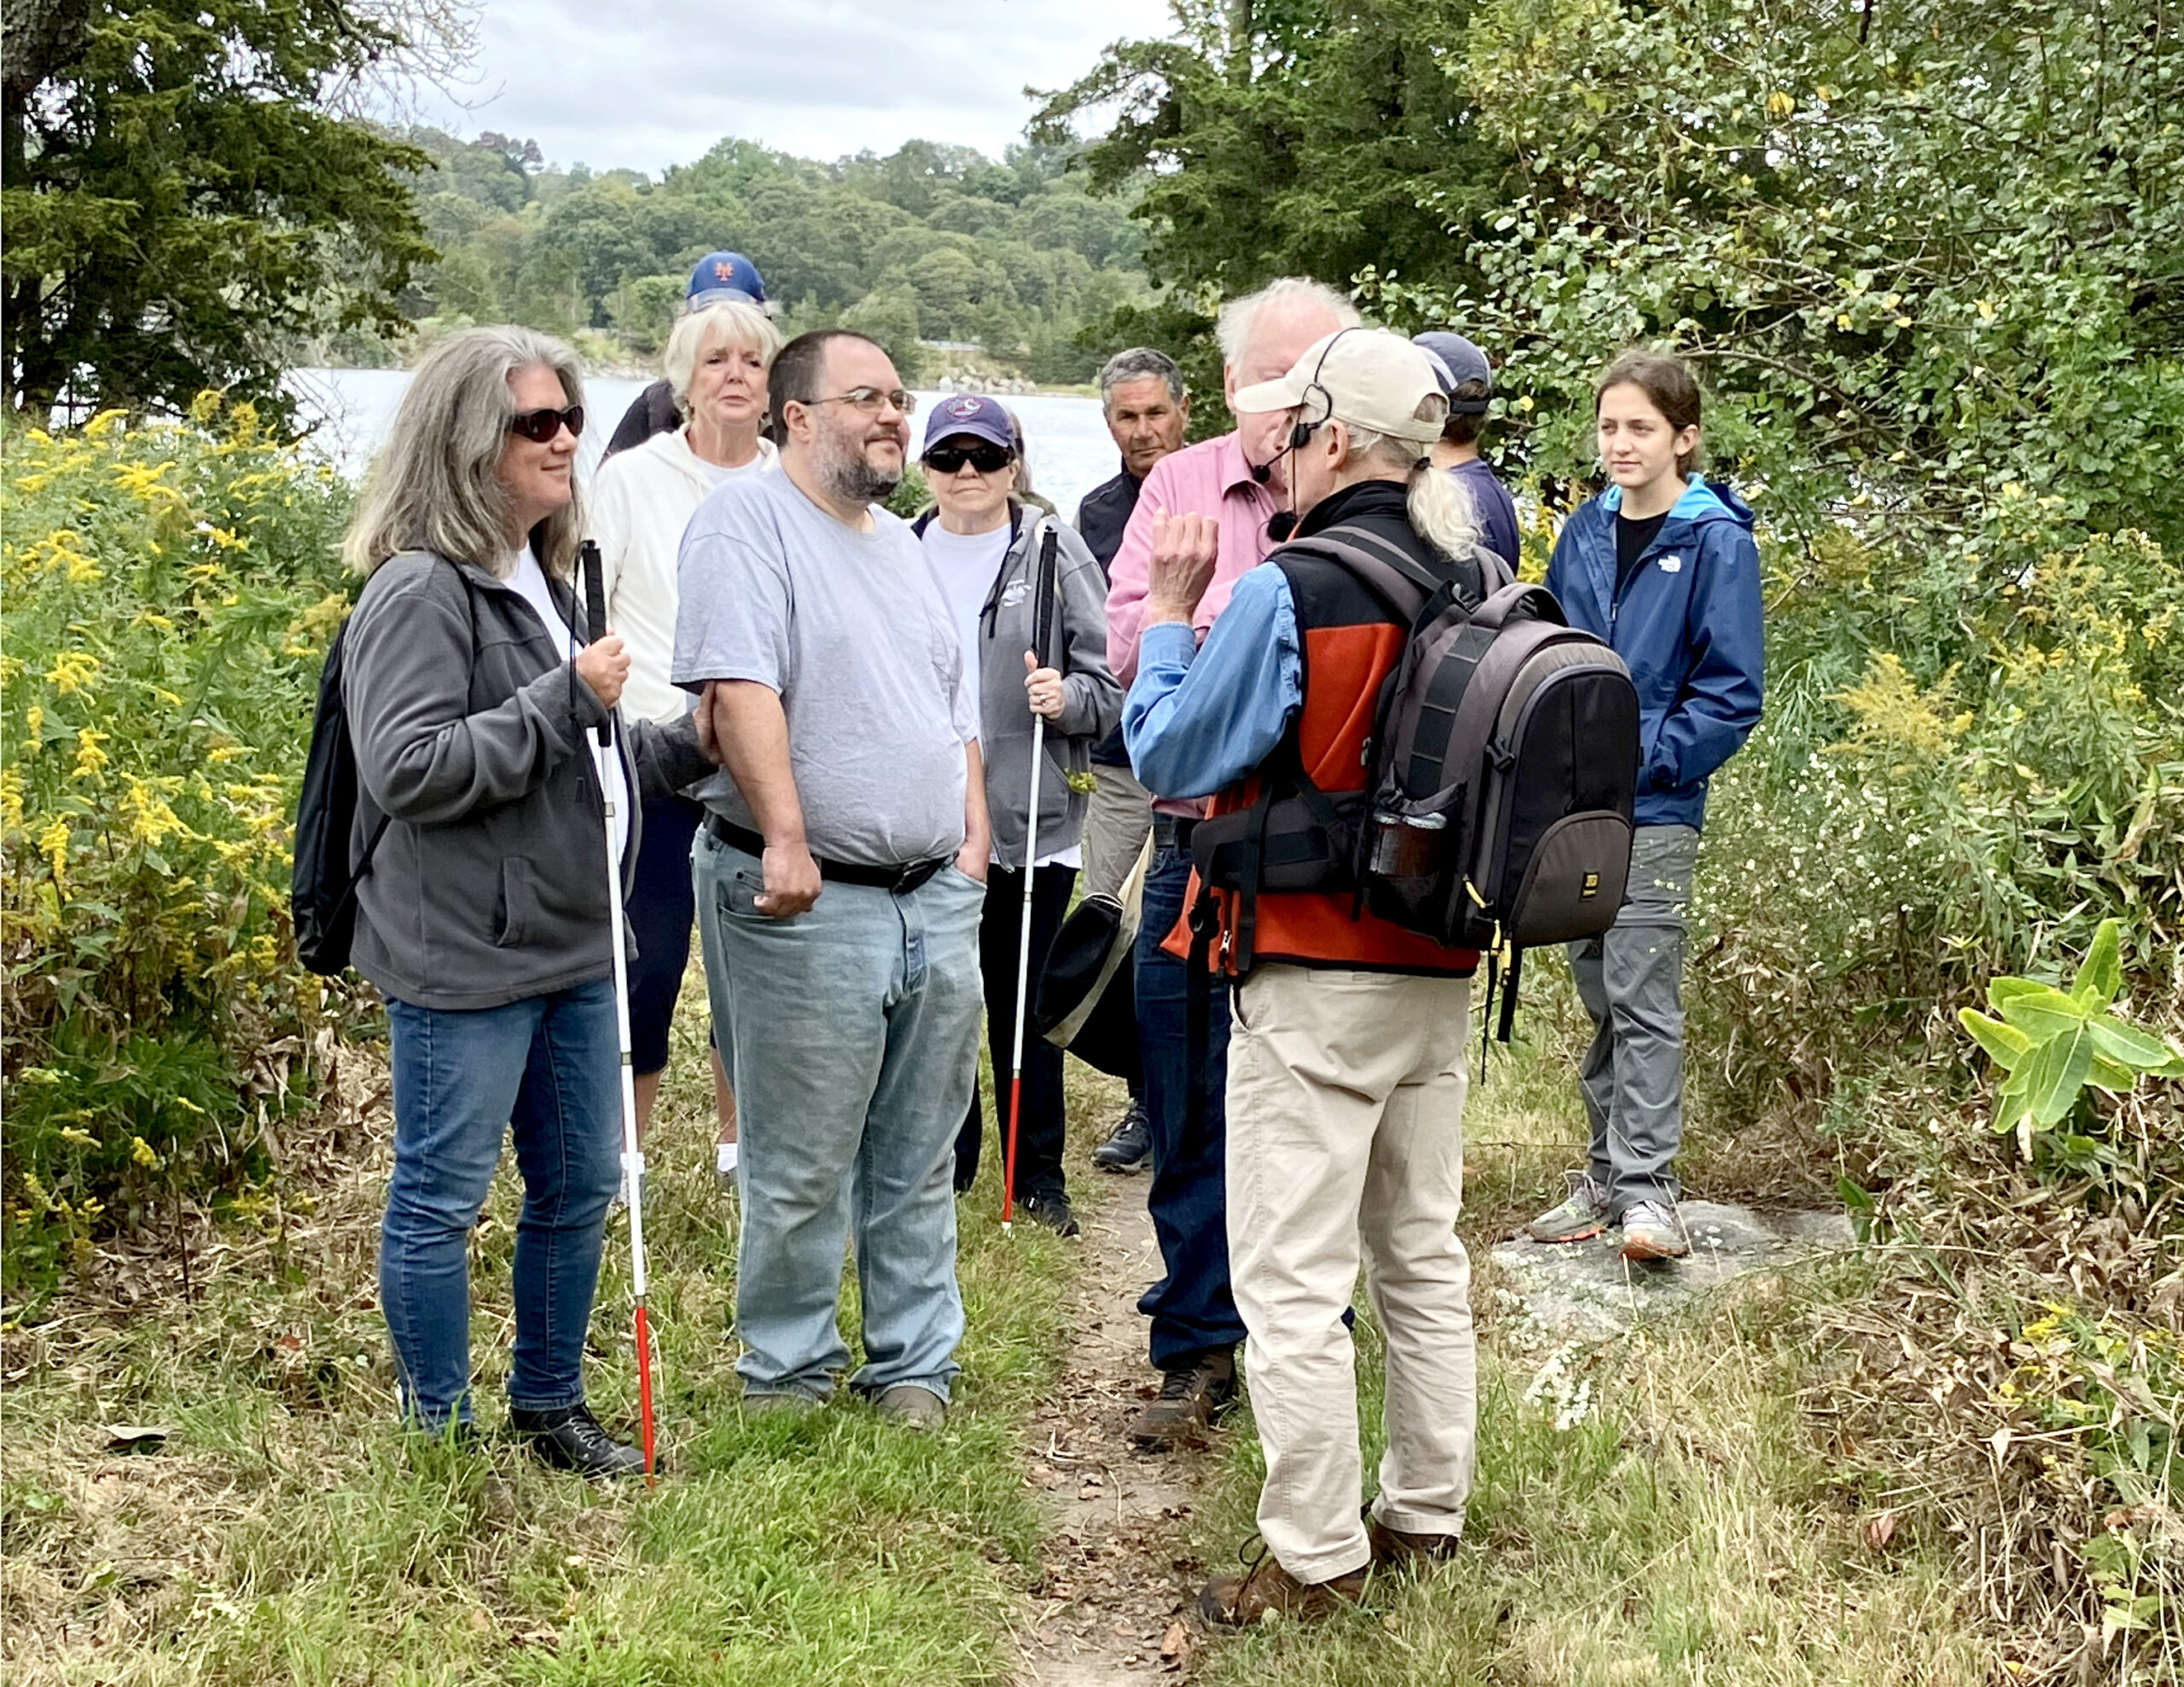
984, 457
539, 427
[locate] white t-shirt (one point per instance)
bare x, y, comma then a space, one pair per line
530, 579
966, 565
640, 502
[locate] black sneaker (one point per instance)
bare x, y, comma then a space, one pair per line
1051, 1208
571, 1439
1129, 1148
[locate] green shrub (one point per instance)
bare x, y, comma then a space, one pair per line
1966, 767
170, 591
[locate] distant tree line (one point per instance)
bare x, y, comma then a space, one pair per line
931, 243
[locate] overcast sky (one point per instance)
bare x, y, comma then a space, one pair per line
645, 84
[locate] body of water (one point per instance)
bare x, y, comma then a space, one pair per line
1067, 440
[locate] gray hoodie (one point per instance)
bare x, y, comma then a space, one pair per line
490, 885
1092, 701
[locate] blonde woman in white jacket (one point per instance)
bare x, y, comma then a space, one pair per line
642, 499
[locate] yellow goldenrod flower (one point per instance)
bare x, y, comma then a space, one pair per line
90, 758
53, 845
143, 1153
72, 671
206, 405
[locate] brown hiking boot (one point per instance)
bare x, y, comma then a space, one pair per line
1395, 1548
1193, 1394
1265, 1589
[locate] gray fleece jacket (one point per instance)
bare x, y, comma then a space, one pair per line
1092, 701
469, 722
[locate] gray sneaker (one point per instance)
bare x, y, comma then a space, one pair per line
1651, 1231
1581, 1217
912, 1406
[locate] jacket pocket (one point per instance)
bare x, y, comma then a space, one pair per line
518, 917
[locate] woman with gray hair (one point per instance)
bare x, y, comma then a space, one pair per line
717, 360
483, 918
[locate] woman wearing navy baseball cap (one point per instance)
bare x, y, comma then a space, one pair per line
985, 544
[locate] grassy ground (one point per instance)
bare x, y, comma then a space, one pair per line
282, 1533
1651, 1510
1655, 1509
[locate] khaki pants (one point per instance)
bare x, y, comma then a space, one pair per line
1117, 816
1345, 1143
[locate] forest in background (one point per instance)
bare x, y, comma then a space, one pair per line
931, 243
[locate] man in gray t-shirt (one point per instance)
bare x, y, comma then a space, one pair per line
840, 875
850, 631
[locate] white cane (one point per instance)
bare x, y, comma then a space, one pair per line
1043, 617
604, 755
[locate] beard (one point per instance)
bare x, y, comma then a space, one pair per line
843, 468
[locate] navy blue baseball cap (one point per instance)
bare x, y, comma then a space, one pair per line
723, 278
971, 413
1455, 361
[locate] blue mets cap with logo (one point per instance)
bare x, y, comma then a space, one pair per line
971, 413
722, 278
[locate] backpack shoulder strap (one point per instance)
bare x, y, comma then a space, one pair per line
1399, 581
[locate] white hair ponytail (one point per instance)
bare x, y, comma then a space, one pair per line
1441, 512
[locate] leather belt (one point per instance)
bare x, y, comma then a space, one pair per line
901, 880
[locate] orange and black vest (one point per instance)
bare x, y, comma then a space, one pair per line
1351, 642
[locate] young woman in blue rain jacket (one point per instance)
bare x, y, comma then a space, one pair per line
1661, 565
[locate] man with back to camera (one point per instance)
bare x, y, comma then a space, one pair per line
720, 277
1142, 397
840, 875
1346, 1057
1234, 481
1468, 380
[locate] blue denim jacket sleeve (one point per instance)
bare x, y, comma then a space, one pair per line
1197, 721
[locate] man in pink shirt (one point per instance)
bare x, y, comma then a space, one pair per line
1238, 479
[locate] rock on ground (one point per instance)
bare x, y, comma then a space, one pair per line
1585, 1291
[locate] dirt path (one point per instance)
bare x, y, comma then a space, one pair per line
1119, 1572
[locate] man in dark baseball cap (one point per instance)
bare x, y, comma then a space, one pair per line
720, 278
1468, 381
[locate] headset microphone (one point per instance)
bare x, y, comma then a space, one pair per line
1280, 525
1261, 472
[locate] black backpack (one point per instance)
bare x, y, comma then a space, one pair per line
1504, 763
322, 884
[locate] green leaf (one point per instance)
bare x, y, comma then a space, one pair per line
2014, 1099
2055, 1072
2008, 987
2044, 1012
2005, 1044
2128, 1046
2106, 1075
2102, 974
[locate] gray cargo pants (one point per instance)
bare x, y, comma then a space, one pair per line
1631, 982
1117, 818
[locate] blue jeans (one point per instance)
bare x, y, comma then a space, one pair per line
851, 1037
548, 1066
1191, 1307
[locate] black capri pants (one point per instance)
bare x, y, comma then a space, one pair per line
659, 910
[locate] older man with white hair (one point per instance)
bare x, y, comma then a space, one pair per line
1234, 481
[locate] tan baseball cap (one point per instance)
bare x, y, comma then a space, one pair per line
1367, 377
